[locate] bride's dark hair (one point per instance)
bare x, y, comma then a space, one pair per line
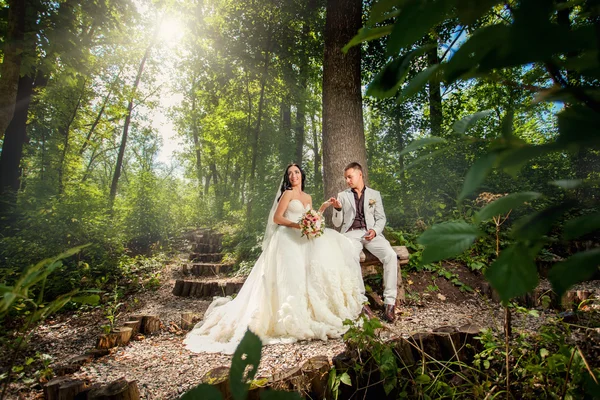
286, 185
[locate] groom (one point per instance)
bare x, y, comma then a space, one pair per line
359, 211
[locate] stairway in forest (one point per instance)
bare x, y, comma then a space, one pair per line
205, 273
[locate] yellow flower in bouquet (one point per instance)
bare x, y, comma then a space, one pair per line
312, 224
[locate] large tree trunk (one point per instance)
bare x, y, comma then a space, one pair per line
15, 139
119, 164
343, 128
286, 144
317, 154
435, 95
10, 69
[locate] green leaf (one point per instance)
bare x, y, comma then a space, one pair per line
534, 226
514, 273
577, 268
582, 226
568, 184
367, 34
484, 41
345, 379
512, 160
89, 299
246, 354
468, 11
416, 84
507, 126
477, 174
423, 379
578, 125
382, 10
203, 391
424, 158
419, 143
464, 124
447, 240
416, 19
393, 74
504, 204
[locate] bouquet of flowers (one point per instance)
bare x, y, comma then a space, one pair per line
312, 224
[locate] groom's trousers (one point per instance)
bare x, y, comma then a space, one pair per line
382, 249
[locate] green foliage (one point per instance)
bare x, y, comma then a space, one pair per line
529, 34
25, 300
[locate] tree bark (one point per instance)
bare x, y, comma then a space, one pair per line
15, 138
435, 95
196, 137
119, 164
66, 131
343, 127
10, 69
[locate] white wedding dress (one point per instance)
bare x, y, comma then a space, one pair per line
298, 289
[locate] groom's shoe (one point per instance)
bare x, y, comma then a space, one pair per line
390, 313
368, 312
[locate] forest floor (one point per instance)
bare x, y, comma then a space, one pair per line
164, 369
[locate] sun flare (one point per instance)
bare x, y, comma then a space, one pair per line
171, 30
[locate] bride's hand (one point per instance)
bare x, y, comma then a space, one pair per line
324, 206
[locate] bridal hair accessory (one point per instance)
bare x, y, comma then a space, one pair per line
372, 203
312, 224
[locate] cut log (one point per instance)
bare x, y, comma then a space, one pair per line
425, 347
448, 340
187, 321
106, 341
316, 373
63, 388
187, 285
135, 326
219, 379
123, 335
150, 324
404, 351
120, 389
178, 288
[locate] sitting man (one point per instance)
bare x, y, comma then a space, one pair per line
359, 211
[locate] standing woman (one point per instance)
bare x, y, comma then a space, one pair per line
299, 288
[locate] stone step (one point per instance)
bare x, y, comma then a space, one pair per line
206, 269
206, 288
206, 258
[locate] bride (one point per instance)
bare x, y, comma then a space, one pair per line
298, 289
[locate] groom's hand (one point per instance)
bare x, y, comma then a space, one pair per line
335, 203
370, 235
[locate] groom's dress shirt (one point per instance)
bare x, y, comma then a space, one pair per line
359, 218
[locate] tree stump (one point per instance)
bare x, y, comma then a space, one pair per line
316, 371
178, 288
63, 388
187, 321
448, 340
120, 389
219, 379
135, 326
150, 324
106, 341
118, 337
404, 350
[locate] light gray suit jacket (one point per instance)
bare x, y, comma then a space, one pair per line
373, 207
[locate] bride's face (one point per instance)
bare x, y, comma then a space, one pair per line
295, 176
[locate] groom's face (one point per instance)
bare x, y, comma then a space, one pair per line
353, 178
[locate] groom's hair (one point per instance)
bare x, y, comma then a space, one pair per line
354, 165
